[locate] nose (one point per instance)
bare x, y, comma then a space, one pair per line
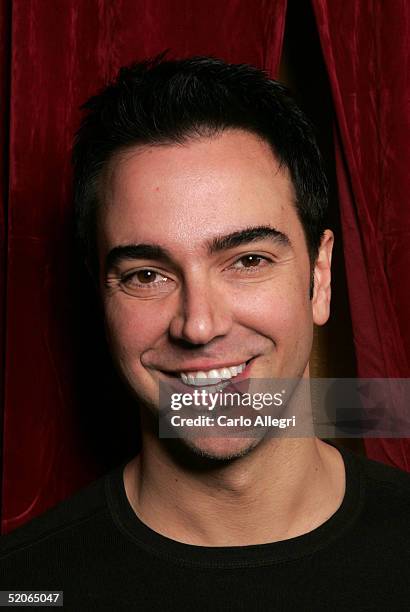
203, 313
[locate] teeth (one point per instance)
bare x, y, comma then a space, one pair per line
201, 378
214, 374
226, 373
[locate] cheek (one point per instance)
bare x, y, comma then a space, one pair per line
277, 310
131, 327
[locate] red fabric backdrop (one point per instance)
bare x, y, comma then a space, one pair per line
366, 49
64, 418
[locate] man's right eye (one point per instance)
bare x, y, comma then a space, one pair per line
145, 280
143, 276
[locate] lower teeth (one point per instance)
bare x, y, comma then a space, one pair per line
218, 387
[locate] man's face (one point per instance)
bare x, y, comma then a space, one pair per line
185, 300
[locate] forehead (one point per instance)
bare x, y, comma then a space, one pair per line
184, 194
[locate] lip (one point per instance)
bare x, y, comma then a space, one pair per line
205, 366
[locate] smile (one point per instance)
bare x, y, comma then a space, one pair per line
211, 377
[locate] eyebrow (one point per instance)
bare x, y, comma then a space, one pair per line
215, 245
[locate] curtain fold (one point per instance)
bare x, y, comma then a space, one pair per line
4, 130
366, 51
63, 422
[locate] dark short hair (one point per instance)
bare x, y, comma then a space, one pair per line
163, 101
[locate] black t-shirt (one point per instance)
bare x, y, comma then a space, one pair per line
95, 549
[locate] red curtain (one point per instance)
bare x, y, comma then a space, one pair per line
366, 50
65, 418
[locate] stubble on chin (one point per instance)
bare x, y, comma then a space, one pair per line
228, 450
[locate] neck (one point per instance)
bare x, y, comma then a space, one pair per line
281, 489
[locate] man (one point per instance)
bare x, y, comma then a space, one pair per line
200, 201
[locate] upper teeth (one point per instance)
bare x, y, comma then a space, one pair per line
202, 378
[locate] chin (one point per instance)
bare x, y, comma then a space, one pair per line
221, 449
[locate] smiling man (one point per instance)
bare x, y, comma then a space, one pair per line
209, 271
200, 201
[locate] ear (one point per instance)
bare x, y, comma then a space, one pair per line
322, 279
